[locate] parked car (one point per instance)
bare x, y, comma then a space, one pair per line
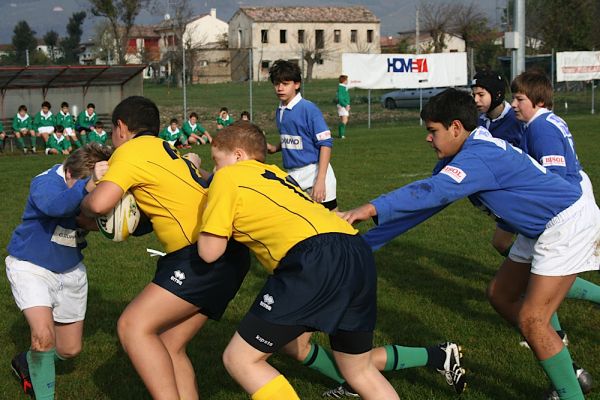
410, 98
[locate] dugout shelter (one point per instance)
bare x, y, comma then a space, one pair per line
103, 85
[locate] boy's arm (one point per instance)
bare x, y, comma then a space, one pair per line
319, 192
14, 124
102, 199
211, 247
271, 149
57, 202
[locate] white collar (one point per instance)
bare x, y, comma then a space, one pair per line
344, 85
89, 115
46, 115
292, 102
539, 112
175, 131
190, 124
62, 113
22, 118
60, 139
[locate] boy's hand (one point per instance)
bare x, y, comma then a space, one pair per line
361, 213
194, 159
318, 191
100, 169
272, 149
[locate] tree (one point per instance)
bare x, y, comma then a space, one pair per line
315, 49
51, 40
23, 40
121, 16
438, 20
70, 44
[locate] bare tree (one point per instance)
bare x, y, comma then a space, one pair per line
121, 16
438, 20
316, 48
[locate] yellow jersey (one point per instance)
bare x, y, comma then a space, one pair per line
166, 188
260, 207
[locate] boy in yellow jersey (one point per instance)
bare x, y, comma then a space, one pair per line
305, 247
156, 326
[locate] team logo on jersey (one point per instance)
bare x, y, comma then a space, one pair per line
554, 161
401, 64
454, 172
324, 135
178, 277
291, 142
267, 301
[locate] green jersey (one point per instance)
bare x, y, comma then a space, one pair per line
98, 137
343, 96
225, 122
58, 143
20, 123
1, 127
188, 128
42, 120
169, 135
66, 120
85, 121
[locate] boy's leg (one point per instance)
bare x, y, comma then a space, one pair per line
40, 358
544, 295
507, 287
249, 367
69, 339
175, 340
83, 136
152, 311
19, 140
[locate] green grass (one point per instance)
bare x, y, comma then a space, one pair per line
432, 280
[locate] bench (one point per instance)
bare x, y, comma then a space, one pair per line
9, 140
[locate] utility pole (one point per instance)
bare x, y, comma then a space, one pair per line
417, 49
520, 21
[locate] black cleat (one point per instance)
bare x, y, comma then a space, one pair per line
21, 369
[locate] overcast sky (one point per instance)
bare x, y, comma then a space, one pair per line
45, 15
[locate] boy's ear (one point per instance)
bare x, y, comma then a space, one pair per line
457, 127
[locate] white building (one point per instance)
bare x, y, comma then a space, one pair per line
453, 43
294, 33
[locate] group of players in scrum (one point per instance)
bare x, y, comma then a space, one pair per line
323, 274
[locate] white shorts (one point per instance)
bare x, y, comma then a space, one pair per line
342, 111
33, 286
46, 129
70, 132
569, 245
305, 176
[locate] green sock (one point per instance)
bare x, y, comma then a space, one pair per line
342, 129
20, 142
58, 357
321, 360
584, 290
399, 357
555, 322
559, 369
84, 138
41, 370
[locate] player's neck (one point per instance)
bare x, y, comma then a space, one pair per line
497, 111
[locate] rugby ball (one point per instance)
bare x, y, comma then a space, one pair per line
118, 224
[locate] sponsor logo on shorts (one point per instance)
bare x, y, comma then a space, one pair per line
267, 301
455, 173
178, 277
291, 142
554, 161
264, 341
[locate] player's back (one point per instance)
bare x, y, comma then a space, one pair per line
167, 189
272, 213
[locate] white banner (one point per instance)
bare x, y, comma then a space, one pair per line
405, 71
577, 65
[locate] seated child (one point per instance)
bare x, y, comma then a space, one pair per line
306, 247
85, 121
224, 119
2, 137
193, 132
98, 134
44, 121
22, 127
171, 133
64, 118
58, 143
245, 116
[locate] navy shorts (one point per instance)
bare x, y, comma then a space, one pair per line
209, 286
325, 283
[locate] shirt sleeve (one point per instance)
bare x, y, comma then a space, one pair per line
57, 201
122, 173
548, 148
318, 127
219, 214
463, 176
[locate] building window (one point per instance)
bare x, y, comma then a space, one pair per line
265, 64
320, 60
319, 39
264, 36
301, 36
369, 35
240, 44
283, 36
353, 36
337, 36
203, 63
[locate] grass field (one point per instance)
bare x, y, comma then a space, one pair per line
432, 280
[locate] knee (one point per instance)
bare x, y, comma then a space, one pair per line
530, 323
229, 360
124, 329
70, 352
42, 339
492, 292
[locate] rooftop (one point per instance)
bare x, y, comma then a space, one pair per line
310, 14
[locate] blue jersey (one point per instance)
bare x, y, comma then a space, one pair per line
506, 126
547, 139
48, 236
495, 176
303, 131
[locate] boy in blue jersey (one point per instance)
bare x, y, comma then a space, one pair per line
561, 225
305, 138
45, 269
